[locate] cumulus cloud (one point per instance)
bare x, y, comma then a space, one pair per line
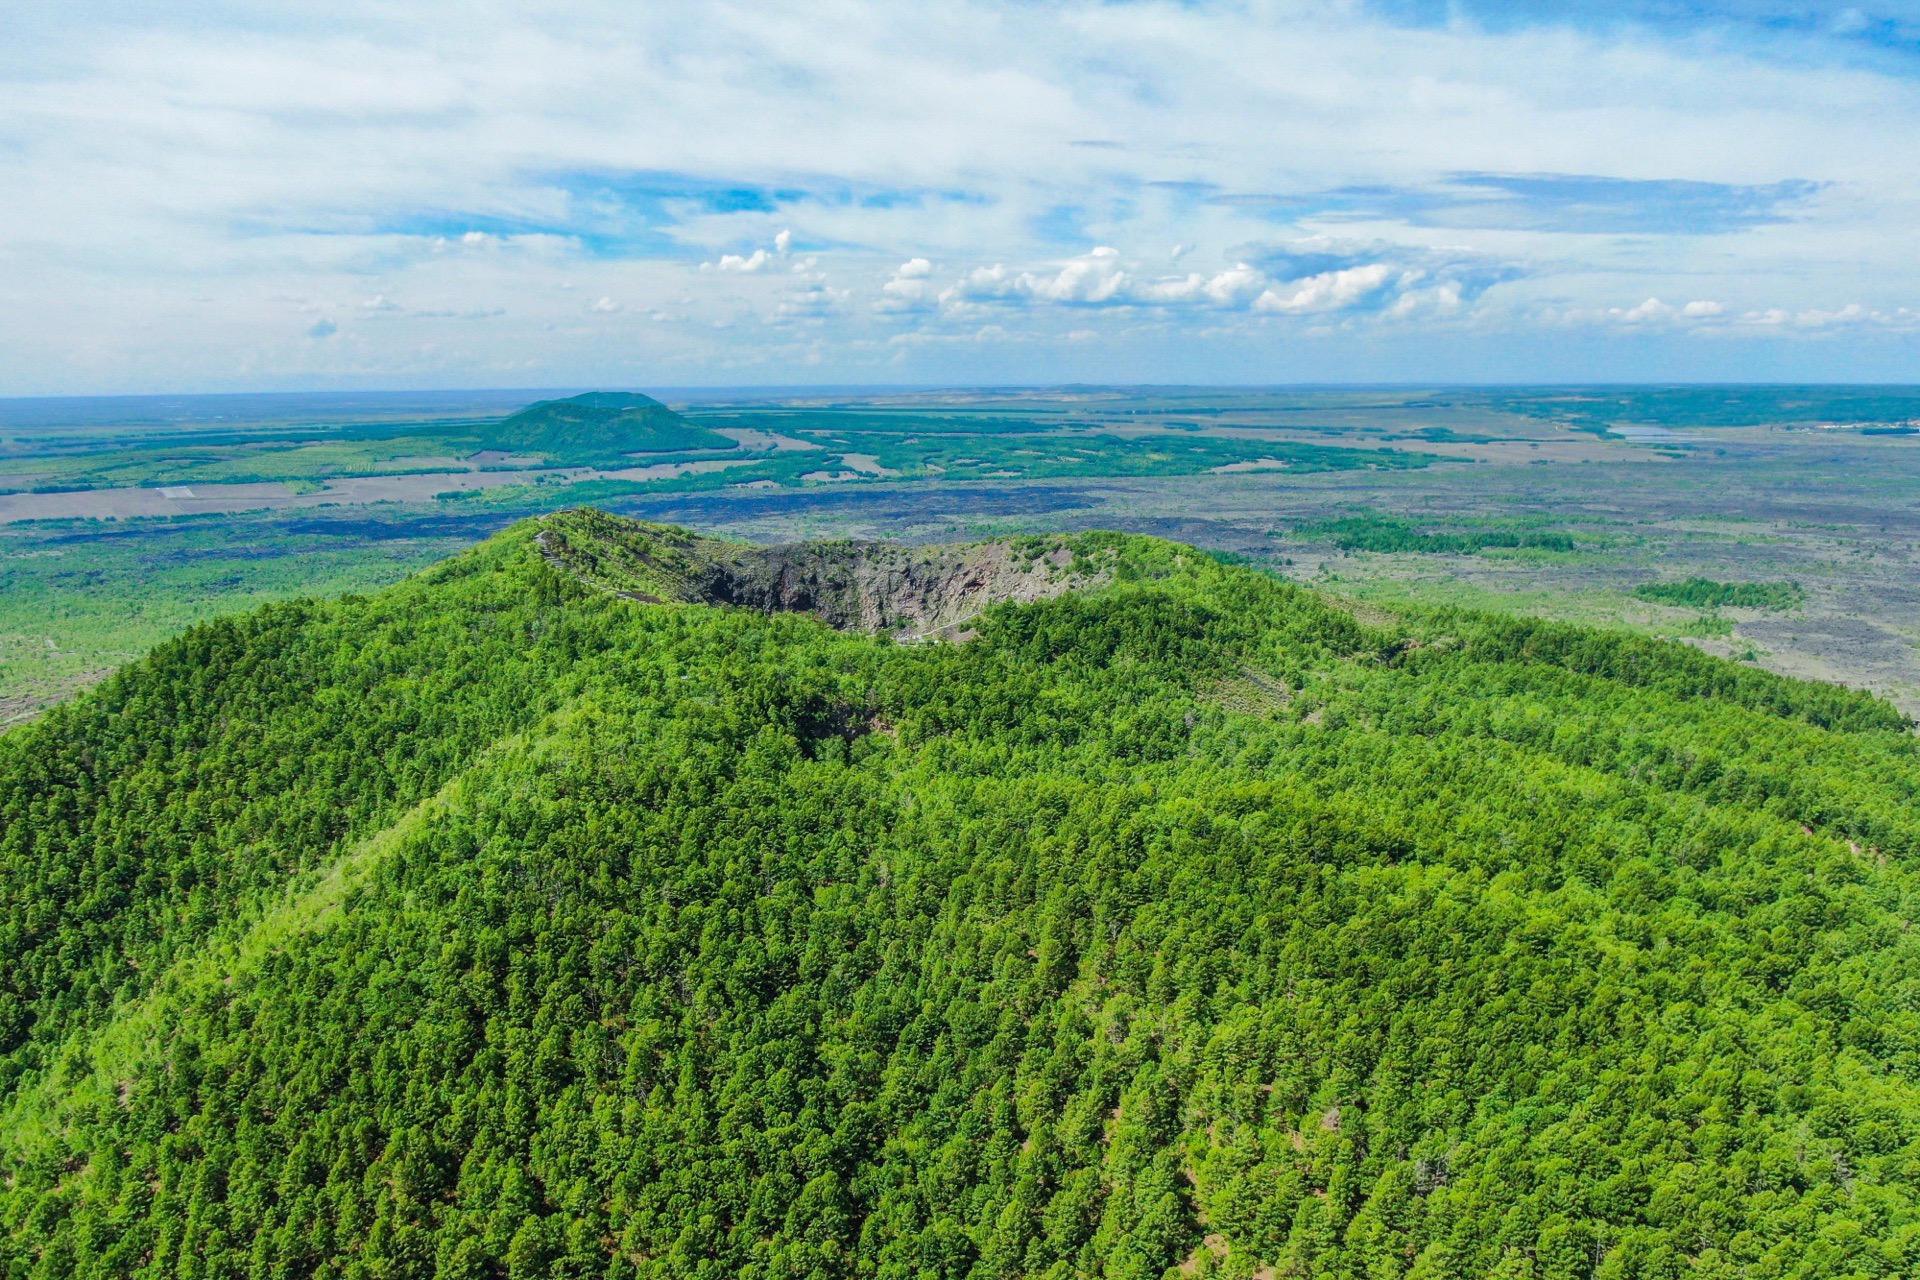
1102, 278
758, 260
1648, 313
1096, 278
1707, 315
909, 289
604, 306
1328, 291
1651, 310
322, 328
1852, 315
1237, 284
1092, 279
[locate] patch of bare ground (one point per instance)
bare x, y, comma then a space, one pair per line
669, 470
753, 438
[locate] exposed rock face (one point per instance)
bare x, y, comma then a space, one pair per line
877, 586
911, 592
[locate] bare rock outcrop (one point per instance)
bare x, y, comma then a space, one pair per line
910, 592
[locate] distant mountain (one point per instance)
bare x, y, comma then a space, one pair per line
610, 901
598, 428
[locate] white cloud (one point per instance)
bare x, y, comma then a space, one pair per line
1650, 313
1101, 278
476, 156
1852, 313
909, 289
759, 260
1651, 310
1236, 285
604, 306
1098, 277
1717, 317
1328, 291
1442, 299
1093, 278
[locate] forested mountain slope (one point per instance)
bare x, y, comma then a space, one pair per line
504, 924
601, 427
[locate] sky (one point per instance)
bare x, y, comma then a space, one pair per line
203, 196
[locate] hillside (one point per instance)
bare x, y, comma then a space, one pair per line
610, 901
603, 428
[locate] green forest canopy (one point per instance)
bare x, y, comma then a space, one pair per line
1376, 531
1705, 593
600, 427
498, 925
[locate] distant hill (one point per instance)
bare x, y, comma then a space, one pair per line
610, 901
598, 428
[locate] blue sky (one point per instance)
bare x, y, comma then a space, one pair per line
205, 196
